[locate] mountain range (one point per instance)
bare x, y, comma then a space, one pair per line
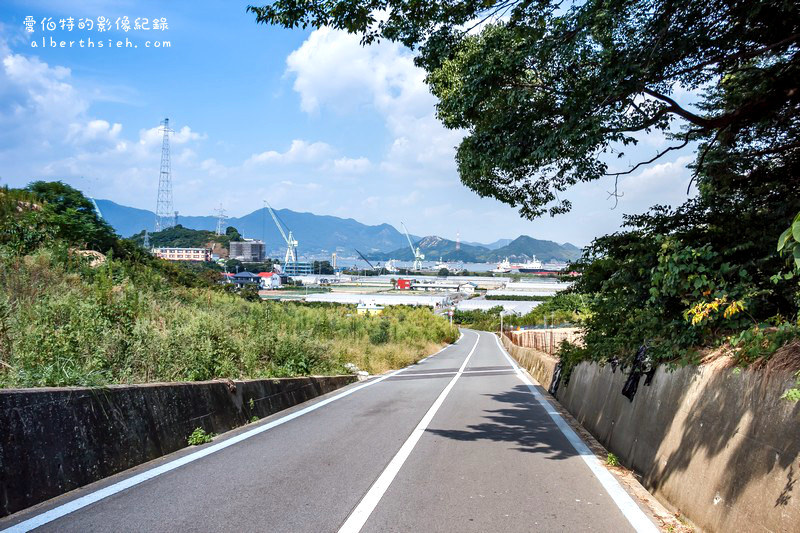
317, 234
323, 234
523, 247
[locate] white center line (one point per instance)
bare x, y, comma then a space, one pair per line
100, 494
361, 513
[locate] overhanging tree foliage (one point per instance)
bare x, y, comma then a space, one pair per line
545, 89
548, 93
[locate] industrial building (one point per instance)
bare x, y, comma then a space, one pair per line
296, 268
248, 250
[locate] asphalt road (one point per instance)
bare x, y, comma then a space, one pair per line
457, 442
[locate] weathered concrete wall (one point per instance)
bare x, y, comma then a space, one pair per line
720, 446
540, 365
53, 440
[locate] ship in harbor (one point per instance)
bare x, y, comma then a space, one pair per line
533, 265
530, 266
503, 267
452, 268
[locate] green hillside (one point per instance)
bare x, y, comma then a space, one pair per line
80, 306
522, 247
180, 237
528, 246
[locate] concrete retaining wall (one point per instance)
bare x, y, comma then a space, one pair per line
53, 440
721, 447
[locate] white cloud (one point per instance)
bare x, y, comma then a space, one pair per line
93, 131
38, 104
299, 152
662, 183
347, 165
332, 70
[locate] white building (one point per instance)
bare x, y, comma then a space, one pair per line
269, 280
183, 254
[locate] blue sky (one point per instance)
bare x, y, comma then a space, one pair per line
308, 120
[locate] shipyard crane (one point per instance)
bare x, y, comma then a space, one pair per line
418, 256
365, 259
291, 244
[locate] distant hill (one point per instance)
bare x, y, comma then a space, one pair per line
181, 237
315, 233
492, 245
323, 234
434, 247
523, 247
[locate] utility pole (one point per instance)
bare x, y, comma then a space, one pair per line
164, 211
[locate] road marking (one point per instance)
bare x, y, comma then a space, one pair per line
100, 494
625, 503
361, 513
452, 372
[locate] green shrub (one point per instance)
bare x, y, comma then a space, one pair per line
793, 393
199, 436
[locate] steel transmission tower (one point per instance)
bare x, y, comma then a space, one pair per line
221, 217
165, 216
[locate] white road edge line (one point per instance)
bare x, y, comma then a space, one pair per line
361, 513
625, 503
93, 497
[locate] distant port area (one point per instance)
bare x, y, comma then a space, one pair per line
442, 293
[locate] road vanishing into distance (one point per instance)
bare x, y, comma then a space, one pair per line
462, 441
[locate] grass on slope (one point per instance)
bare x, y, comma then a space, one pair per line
64, 323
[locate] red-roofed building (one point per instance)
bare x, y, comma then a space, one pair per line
269, 280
